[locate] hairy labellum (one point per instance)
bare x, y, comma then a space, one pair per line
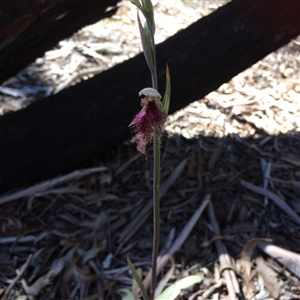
149, 122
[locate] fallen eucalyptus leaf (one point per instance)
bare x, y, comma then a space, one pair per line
173, 290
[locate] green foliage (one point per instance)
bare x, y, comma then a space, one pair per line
146, 44
138, 279
167, 95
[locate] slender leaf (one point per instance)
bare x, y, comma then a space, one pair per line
145, 39
137, 3
174, 289
147, 5
138, 279
148, 12
150, 22
167, 95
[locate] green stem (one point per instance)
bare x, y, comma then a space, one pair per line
153, 71
156, 213
156, 187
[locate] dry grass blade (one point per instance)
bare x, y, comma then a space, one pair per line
277, 200
189, 226
266, 168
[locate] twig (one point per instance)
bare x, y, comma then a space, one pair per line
266, 168
12, 92
50, 183
20, 273
224, 258
13, 239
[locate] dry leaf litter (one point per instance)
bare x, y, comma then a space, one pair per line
230, 182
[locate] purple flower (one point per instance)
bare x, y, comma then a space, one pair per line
149, 122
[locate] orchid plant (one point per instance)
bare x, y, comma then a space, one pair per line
148, 126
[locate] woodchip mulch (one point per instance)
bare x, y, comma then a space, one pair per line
230, 193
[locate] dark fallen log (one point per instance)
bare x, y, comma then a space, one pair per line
64, 131
29, 28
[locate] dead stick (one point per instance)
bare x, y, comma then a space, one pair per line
231, 281
50, 183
